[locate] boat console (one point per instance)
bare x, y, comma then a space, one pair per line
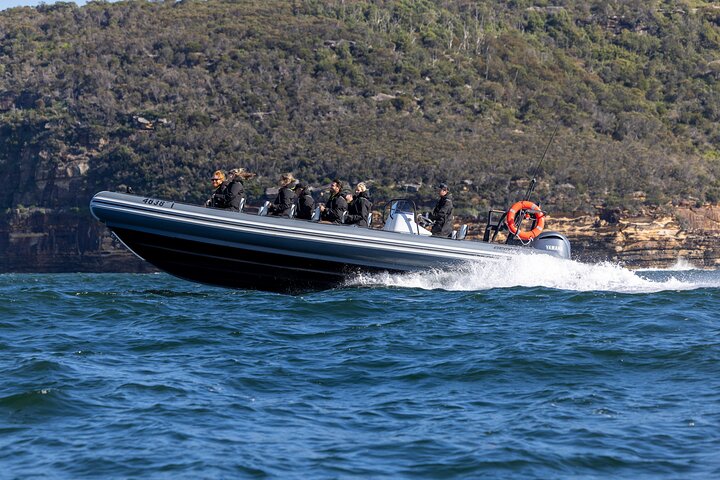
401, 218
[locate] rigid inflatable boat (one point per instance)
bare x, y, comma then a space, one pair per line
256, 251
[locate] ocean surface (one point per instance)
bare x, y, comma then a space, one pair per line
534, 369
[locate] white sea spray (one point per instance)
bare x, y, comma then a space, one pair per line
539, 271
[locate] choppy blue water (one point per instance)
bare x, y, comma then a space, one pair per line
566, 371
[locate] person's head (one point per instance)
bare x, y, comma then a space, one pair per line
348, 196
336, 187
299, 188
218, 178
286, 179
360, 187
443, 189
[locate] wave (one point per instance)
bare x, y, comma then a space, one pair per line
680, 265
541, 271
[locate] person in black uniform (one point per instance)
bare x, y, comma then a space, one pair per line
218, 198
305, 202
359, 208
442, 214
336, 205
348, 196
235, 188
285, 198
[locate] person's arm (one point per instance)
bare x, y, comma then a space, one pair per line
446, 209
365, 208
434, 214
444, 225
287, 198
236, 189
274, 207
330, 214
363, 212
308, 203
234, 194
440, 214
219, 197
340, 207
327, 210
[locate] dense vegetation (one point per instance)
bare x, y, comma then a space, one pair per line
156, 95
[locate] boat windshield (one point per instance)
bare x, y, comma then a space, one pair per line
402, 206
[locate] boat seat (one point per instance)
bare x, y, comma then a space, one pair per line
369, 219
462, 233
343, 217
316, 215
293, 208
242, 205
264, 209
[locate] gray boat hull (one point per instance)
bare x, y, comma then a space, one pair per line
241, 250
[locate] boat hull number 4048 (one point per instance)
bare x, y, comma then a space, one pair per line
156, 203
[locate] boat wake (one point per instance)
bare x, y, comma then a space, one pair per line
544, 271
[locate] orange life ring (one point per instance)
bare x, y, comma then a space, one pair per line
539, 220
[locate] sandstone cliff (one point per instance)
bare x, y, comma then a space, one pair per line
650, 238
61, 240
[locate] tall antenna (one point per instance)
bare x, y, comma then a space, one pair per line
537, 167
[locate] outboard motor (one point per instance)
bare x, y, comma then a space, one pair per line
553, 243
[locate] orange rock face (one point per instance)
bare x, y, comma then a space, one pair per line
652, 239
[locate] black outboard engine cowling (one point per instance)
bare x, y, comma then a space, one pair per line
553, 243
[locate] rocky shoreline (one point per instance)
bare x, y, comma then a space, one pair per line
648, 239
36, 240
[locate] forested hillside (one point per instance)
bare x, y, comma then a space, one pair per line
156, 95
